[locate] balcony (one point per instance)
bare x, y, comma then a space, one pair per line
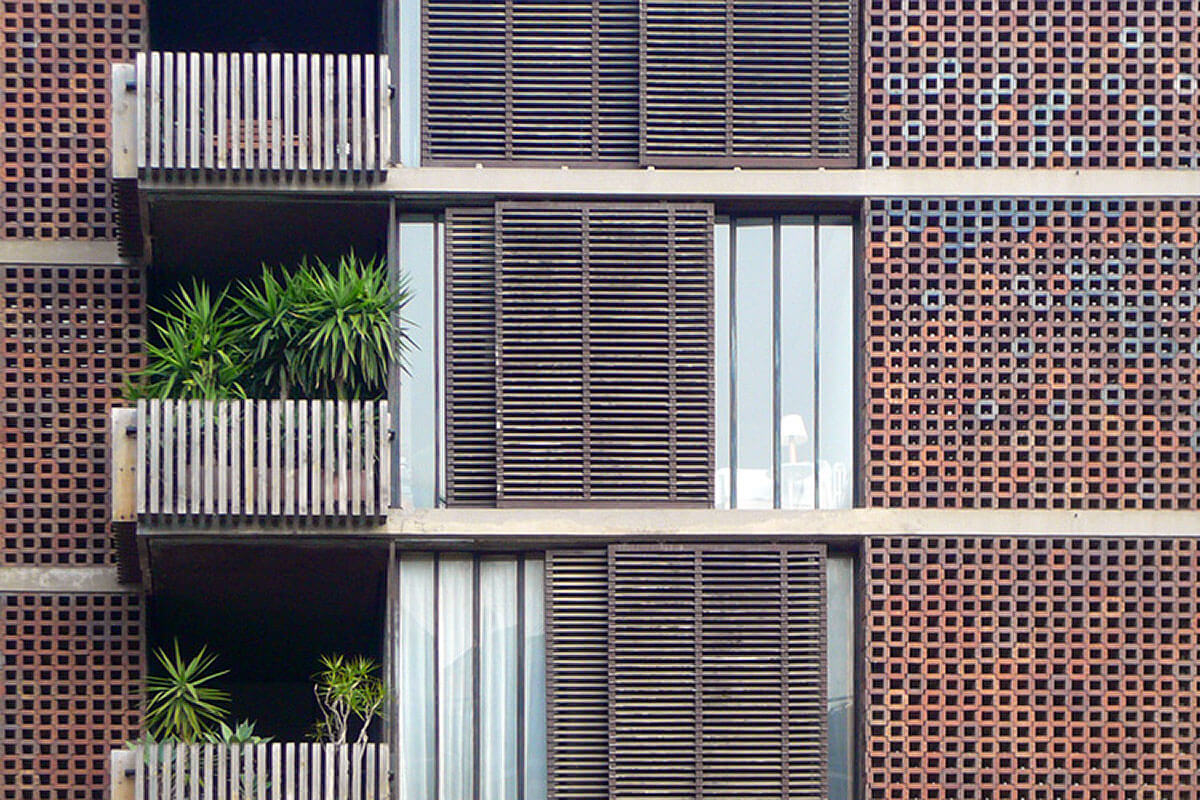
266, 460
212, 771
191, 116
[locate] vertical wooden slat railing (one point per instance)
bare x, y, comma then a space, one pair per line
263, 458
303, 115
171, 771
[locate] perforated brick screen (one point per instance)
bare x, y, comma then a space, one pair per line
70, 677
1032, 669
1024, 84
1032, 354
55, 69
70, 335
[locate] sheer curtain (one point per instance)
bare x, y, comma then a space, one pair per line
472, 682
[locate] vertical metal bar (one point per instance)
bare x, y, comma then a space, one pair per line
776, 422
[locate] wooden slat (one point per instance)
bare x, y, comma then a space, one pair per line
302, 765
342, 101
356, 141
194, 467
208, 461
181, 117
303, 474
369, 142
343, 459
304, 129
329, 88
289, 444
289, 110
385, 459
329, 758
372, 458
249, 118
143, 446
316, 103
224, 111
235, 772
236, 462
194, 118
385, 113
262, 110
276, 121
208, 123
263, 440
221, 462
329, 424
168, 110
276, 446
236, 88
354, 485
248, 460
143, 100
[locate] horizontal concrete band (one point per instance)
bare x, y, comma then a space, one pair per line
581, 525
456, 183
61, 580
59, 252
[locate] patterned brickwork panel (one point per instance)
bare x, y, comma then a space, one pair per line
1056, 84
55, 67
1033, 354
70, 678
69, 337
1032, 669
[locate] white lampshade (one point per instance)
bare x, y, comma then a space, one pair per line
792, 429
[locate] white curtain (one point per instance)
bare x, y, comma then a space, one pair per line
416, 678
456, 679
451, 604
498, 679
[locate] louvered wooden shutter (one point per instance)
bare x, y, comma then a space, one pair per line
604, 353
524, 81
715, 667
749, 83
577, 674
470, 357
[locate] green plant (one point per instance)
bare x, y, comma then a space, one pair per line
268, 326
195, 353
348, 334
241, 733
181, 703
348, 689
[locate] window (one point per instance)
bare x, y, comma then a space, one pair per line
785, 362
471, 664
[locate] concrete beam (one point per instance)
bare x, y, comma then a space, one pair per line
457, 184
61, 580
124, 122
60, 252
123, 465
540, 527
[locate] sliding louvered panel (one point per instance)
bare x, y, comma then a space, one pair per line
748, 83
541, 342
470, 357
717, 671
654, 691
577, 674
836, 35
807, 728
529, 81
604, 346
464, 76
649, 352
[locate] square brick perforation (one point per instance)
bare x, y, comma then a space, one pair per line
70, 336
1033, 354
1064, 83
1006, 668
55, 70
71, 674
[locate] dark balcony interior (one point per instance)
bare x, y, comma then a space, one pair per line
277, 26
269, 612
223, 241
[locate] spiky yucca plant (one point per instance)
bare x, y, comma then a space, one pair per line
182, 703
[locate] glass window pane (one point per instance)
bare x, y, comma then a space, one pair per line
797, 363
721, 345
840, 663
835, 348
410, 83
754, 363
455, 677
416, 678
535, 681
418, 395
498, 679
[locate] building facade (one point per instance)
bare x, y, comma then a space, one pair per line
802, 401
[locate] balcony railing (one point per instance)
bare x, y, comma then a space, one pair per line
313, 116
260, 459
249, 772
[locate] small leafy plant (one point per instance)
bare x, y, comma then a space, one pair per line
241, 733
181, 703
349, 692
